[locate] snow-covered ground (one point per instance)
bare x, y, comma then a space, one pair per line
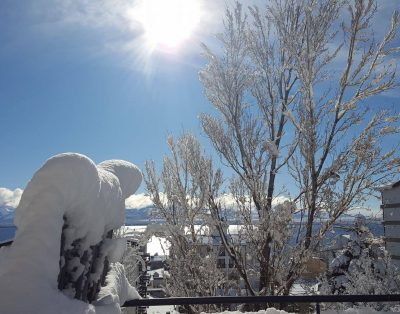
162, 309
267, 311
348, 311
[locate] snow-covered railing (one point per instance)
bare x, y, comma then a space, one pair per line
279, 300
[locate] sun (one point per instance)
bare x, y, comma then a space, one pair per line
167, 23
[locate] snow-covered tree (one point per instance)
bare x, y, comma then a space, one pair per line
362, 266
180, 195
292, 84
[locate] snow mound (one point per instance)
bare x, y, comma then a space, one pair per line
267, 311
361, 310
68, 199
272, 310
118, 289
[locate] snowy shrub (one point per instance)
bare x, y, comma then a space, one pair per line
362, 267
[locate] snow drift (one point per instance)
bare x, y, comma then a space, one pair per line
70, 205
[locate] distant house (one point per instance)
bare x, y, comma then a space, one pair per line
157, 283
391, 219
213, 241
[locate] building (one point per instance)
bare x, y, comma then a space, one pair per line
138, 268
391, 220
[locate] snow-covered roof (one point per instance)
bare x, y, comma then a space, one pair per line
157, 258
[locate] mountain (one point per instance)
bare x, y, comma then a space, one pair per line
6, 215
7, 229
141, 217
132, 216
137, 217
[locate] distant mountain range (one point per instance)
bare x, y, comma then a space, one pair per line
141, 216
132, 216
137, 217
7, 215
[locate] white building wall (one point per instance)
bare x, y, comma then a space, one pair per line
391, 220
390, 214
393, 248
392, 231
391, 195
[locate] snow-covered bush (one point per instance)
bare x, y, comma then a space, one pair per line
64, 239
363, 266
183, 206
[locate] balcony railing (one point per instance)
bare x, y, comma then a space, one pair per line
315, 299
280, 300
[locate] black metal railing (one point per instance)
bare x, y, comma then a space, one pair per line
6, 243
316, 299
281, 300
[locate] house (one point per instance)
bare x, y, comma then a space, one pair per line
157, 261
211, 241
157, 283
391, 219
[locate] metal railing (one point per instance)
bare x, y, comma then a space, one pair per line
290, 299
6, 243
316, 299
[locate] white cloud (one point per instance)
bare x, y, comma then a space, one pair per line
371, 212
12, 197
99, 14
142, 200
9, 197
138, 201
113, 28
227, 200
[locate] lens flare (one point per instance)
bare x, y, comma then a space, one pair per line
167, 23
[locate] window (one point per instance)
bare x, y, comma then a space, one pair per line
221, 263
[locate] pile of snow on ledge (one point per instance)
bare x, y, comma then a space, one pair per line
91, 198
362, 310
267, 311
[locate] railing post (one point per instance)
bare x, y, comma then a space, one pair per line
318, 308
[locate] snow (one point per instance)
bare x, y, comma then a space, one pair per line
115, 249
162, 309
91, 200
158, 245
362, 310
118, 290
267, 311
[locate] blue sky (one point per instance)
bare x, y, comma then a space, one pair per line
68, 84
72, 78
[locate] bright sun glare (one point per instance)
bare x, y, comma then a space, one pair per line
167, 23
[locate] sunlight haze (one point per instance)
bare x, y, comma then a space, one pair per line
167, 24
